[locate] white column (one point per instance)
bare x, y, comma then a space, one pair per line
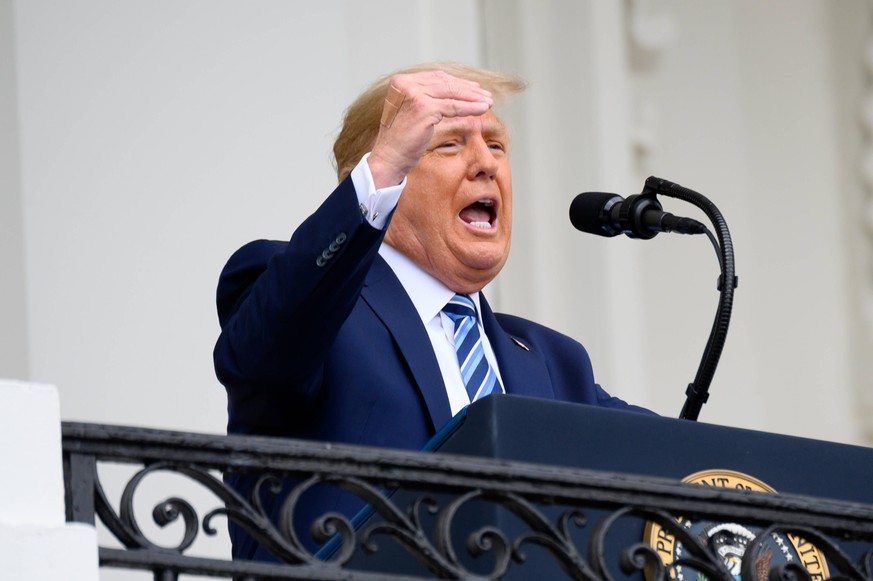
572, 134
35, 540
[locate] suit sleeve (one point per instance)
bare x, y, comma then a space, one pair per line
280, 306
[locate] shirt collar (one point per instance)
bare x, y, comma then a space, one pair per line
428, 294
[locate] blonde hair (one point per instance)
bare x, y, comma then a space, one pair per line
361, 119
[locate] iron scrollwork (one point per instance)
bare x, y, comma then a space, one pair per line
568, 515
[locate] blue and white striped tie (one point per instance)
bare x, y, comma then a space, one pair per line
478, 376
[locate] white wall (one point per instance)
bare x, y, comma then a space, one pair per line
13, 322
746, 115
156, 139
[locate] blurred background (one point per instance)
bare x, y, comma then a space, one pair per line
143, 142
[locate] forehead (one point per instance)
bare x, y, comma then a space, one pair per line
487, 124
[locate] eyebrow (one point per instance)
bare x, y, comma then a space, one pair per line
490, 128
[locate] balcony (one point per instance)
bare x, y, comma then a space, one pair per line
566, 518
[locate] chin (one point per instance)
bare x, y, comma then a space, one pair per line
484, 260
480, 273
468, 277
487, 257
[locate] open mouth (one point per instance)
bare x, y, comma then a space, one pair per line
480, 214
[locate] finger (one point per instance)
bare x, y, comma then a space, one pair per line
393, 102
458, 90
440, 85
425, 107
461, 108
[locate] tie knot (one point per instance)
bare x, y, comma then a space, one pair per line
460, 306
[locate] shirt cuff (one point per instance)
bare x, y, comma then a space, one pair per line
376, 205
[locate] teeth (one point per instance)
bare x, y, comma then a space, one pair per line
482, 225
487, 203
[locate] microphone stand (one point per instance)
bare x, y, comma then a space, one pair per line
698, 391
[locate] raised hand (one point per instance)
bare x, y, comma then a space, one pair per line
415, 103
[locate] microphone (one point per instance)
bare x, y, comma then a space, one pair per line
639, 216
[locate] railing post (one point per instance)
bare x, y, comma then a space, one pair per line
80, 472
166, 575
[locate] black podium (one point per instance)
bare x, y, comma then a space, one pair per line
541, 431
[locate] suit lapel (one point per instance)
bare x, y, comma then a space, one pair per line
522, 368
388, 299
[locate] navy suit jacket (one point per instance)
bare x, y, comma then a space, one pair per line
319, 340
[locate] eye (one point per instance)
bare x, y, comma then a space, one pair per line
447, 144
496, 146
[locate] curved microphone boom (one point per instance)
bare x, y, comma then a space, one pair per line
639, 216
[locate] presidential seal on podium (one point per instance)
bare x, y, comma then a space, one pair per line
728, 542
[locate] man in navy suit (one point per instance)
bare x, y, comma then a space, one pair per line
338, 334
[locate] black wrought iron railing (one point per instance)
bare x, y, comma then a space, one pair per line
579, 524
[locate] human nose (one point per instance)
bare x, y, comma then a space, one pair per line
482, 160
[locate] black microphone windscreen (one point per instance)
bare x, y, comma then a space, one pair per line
586, 212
